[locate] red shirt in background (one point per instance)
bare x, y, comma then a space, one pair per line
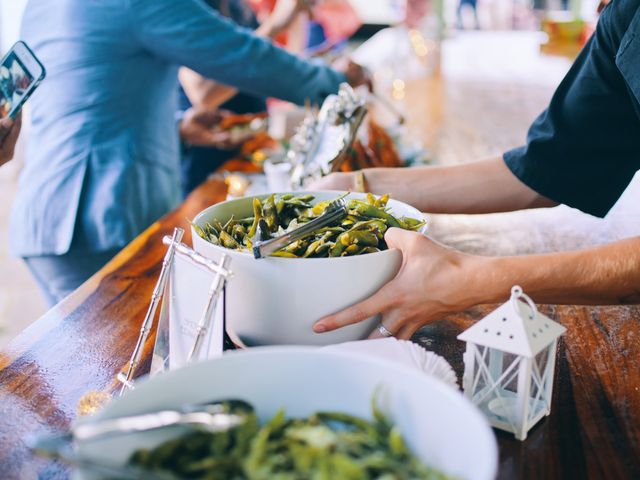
337, 17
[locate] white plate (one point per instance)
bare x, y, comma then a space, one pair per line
404, 352
440, 425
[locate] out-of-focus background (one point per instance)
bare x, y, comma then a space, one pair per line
488, 66
20, 301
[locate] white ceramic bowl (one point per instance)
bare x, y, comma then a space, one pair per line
275, 301
440, 426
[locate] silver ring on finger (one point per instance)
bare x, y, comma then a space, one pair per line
383, 331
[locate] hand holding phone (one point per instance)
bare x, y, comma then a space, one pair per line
9, 131
20, 74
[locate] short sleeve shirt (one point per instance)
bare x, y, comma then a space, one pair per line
584, 149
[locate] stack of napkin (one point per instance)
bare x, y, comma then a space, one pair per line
406, 353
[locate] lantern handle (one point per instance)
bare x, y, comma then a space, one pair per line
516, 294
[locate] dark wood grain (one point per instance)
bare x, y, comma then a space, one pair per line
82, 343
594, 428
593, 432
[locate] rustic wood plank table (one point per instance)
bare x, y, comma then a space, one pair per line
80, 345
483, 108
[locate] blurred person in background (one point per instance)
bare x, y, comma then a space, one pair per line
582, 151
9, 132
203, 148
103, 156
415, 13
331, 25
473, 5
204, 103
324, 27
295, 37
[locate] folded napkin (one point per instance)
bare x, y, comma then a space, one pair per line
403, 352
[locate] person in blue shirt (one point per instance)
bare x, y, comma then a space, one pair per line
199, 161
103, 155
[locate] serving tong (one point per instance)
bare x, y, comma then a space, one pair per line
210, 417
263, 246
220, 273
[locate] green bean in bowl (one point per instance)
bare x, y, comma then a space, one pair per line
323, 446
360, 232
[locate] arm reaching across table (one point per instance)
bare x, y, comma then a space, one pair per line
207, 93
435, 281
191, 34
583, 150
481, 187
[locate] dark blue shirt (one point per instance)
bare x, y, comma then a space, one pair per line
584, 148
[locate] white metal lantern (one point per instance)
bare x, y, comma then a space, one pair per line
510, 362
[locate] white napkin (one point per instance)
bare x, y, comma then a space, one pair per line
406, 353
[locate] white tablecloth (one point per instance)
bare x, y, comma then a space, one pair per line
539, 230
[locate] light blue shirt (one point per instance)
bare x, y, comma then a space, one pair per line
103, 154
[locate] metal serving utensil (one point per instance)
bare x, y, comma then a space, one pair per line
59, 448
220, 273
212, 417
93, 401
147, 323
335, 211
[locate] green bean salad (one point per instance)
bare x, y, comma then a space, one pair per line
324, 446
361, 231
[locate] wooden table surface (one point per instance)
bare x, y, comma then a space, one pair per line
593, 431
594, 428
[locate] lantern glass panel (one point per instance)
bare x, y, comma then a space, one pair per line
539, 384
479, 380
542, 359
536, 397
495, 383
510, 384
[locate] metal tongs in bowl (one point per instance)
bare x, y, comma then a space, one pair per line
210, 417
263, 246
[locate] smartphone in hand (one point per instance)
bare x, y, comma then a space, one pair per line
20, 74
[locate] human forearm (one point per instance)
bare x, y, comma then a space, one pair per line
206, 93
192, 35
287, 15
605, 275
435, 281
203, 92
481, 187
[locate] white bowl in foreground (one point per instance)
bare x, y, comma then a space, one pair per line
440, 426
276, 301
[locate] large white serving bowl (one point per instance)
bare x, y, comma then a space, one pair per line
276, 301
440, 426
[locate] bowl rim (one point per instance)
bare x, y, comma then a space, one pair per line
195, 237
453, 396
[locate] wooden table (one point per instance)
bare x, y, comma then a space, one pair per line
479, 111
593, 431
